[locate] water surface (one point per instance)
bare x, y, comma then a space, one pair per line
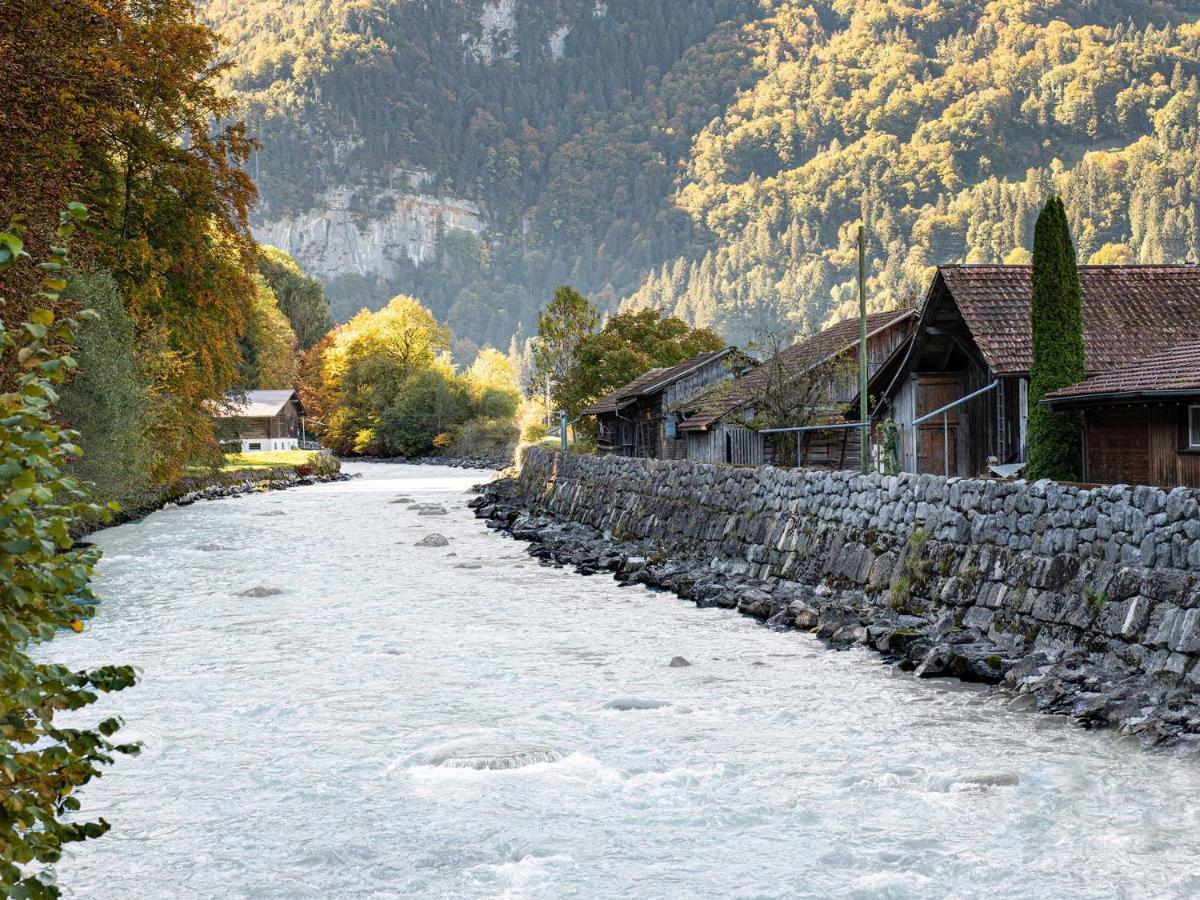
381, 719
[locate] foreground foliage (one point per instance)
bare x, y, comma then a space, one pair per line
119, 103
44, 587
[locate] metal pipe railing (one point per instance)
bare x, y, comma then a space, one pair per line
944, 411
959, 402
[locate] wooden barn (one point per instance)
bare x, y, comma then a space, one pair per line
261, 420
1141, 422
636, 419
973, 341
717, 424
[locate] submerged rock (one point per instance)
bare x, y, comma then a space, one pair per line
678, 662
431, 511
261, 592
484, 758
433, 540
401, 500
213, 548
981, 781
627, 703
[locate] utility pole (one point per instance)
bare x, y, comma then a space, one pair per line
865, 441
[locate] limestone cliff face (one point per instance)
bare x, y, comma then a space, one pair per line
334, 238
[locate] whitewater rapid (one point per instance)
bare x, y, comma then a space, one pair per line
329, 710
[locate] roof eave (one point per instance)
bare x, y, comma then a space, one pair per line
1121, 397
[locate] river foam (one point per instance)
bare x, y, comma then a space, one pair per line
393, 724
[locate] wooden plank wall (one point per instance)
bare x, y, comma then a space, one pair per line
1171, 464
1117, 445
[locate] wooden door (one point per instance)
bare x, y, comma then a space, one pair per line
936, 441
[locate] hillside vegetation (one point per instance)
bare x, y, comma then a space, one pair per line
712, 157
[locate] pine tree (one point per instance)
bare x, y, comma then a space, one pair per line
1058, 359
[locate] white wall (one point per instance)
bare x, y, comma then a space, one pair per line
255, 445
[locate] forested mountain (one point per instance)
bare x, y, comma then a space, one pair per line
711, 157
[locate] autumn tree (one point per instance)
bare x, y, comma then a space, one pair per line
1058, 354
629, 345
120, 102
362, 368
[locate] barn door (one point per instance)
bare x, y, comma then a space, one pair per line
937, 444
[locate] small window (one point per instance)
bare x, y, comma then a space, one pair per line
1194, 427
253, 446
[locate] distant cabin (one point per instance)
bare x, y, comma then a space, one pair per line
637, 419
261, 420
716, 423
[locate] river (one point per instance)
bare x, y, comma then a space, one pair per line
459, 721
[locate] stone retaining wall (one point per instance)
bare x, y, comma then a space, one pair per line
1100, 585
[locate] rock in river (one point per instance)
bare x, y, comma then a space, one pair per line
261, 592
678, 662
628, 703
433, 540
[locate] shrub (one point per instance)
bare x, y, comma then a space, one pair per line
108, 399
484, 437
323, 464
45, 588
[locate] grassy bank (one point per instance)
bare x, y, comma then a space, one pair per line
272, 459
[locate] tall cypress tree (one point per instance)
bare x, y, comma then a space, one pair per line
1057, 322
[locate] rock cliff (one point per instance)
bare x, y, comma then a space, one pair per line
338, 236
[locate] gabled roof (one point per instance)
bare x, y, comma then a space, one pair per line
653, 381
1173, 372
1128, 311
723, 399
254, 404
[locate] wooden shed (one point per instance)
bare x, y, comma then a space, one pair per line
973, 337
1141, 422
717, 423
261, 420
636, 419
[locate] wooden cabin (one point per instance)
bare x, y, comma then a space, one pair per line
717, 425
973, 337
261, 420
636, 419
1141, 422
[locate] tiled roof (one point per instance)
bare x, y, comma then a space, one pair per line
1174, 370
727, 397
1128, 311
652, 381
254, 404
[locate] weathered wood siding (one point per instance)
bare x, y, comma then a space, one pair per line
284, 424
1140, 444
1117, 445
1172, 462
640, 428
724, 443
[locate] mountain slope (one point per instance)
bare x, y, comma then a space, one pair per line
712, 156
